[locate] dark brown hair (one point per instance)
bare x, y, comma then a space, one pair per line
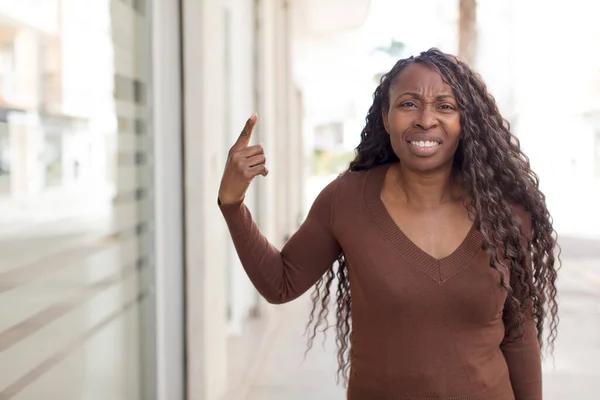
496, 175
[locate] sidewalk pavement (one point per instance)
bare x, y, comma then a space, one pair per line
284, 374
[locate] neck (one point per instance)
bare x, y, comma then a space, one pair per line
427, 190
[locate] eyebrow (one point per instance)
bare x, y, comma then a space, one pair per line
415, 95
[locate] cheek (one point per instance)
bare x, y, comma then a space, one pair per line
453, 128
397, 141
398, 121
456, 123
397, 125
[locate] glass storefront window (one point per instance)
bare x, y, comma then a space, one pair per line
76, 186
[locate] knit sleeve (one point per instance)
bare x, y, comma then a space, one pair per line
282, 276
523, 354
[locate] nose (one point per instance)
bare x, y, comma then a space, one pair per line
426, 119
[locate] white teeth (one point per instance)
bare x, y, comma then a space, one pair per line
424, 144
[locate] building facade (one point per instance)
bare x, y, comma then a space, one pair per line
117, 277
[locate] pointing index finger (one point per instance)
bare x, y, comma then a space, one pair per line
246, 134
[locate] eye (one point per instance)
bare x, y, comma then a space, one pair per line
408, 104
447, 107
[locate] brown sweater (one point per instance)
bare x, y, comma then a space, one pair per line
423, 328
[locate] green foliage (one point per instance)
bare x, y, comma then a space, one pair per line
394, 49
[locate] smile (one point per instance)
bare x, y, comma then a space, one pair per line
424, 148
425, 144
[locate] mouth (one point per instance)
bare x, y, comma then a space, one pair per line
424, 148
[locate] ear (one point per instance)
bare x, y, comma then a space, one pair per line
384, 117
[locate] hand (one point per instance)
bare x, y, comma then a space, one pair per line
243, 164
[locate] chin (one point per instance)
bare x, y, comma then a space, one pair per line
425, 165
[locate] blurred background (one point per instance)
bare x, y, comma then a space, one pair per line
117, 277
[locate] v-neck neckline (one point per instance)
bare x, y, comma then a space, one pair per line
439, 269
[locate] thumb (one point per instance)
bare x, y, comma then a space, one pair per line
246, 134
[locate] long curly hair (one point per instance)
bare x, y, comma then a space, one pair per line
496, 176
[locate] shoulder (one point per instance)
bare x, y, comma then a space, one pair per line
353, 182
348, 185
352, 179
345, 181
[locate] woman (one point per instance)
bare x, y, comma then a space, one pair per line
445, 245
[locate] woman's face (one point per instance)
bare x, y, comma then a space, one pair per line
423, 120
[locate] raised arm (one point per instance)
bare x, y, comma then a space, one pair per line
279, 276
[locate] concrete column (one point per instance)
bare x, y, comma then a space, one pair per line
205, 231
266, 131
294, 142
168, 181
27, 69
240, 102
282, 63
273, 68
297, 158
26, 146
277, 91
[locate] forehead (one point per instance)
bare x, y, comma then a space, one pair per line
420, 78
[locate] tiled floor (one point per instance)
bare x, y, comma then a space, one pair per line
285, 374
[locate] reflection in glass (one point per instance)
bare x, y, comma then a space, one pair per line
75, 205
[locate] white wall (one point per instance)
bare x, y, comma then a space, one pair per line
204, 229
169, 250
239, 103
